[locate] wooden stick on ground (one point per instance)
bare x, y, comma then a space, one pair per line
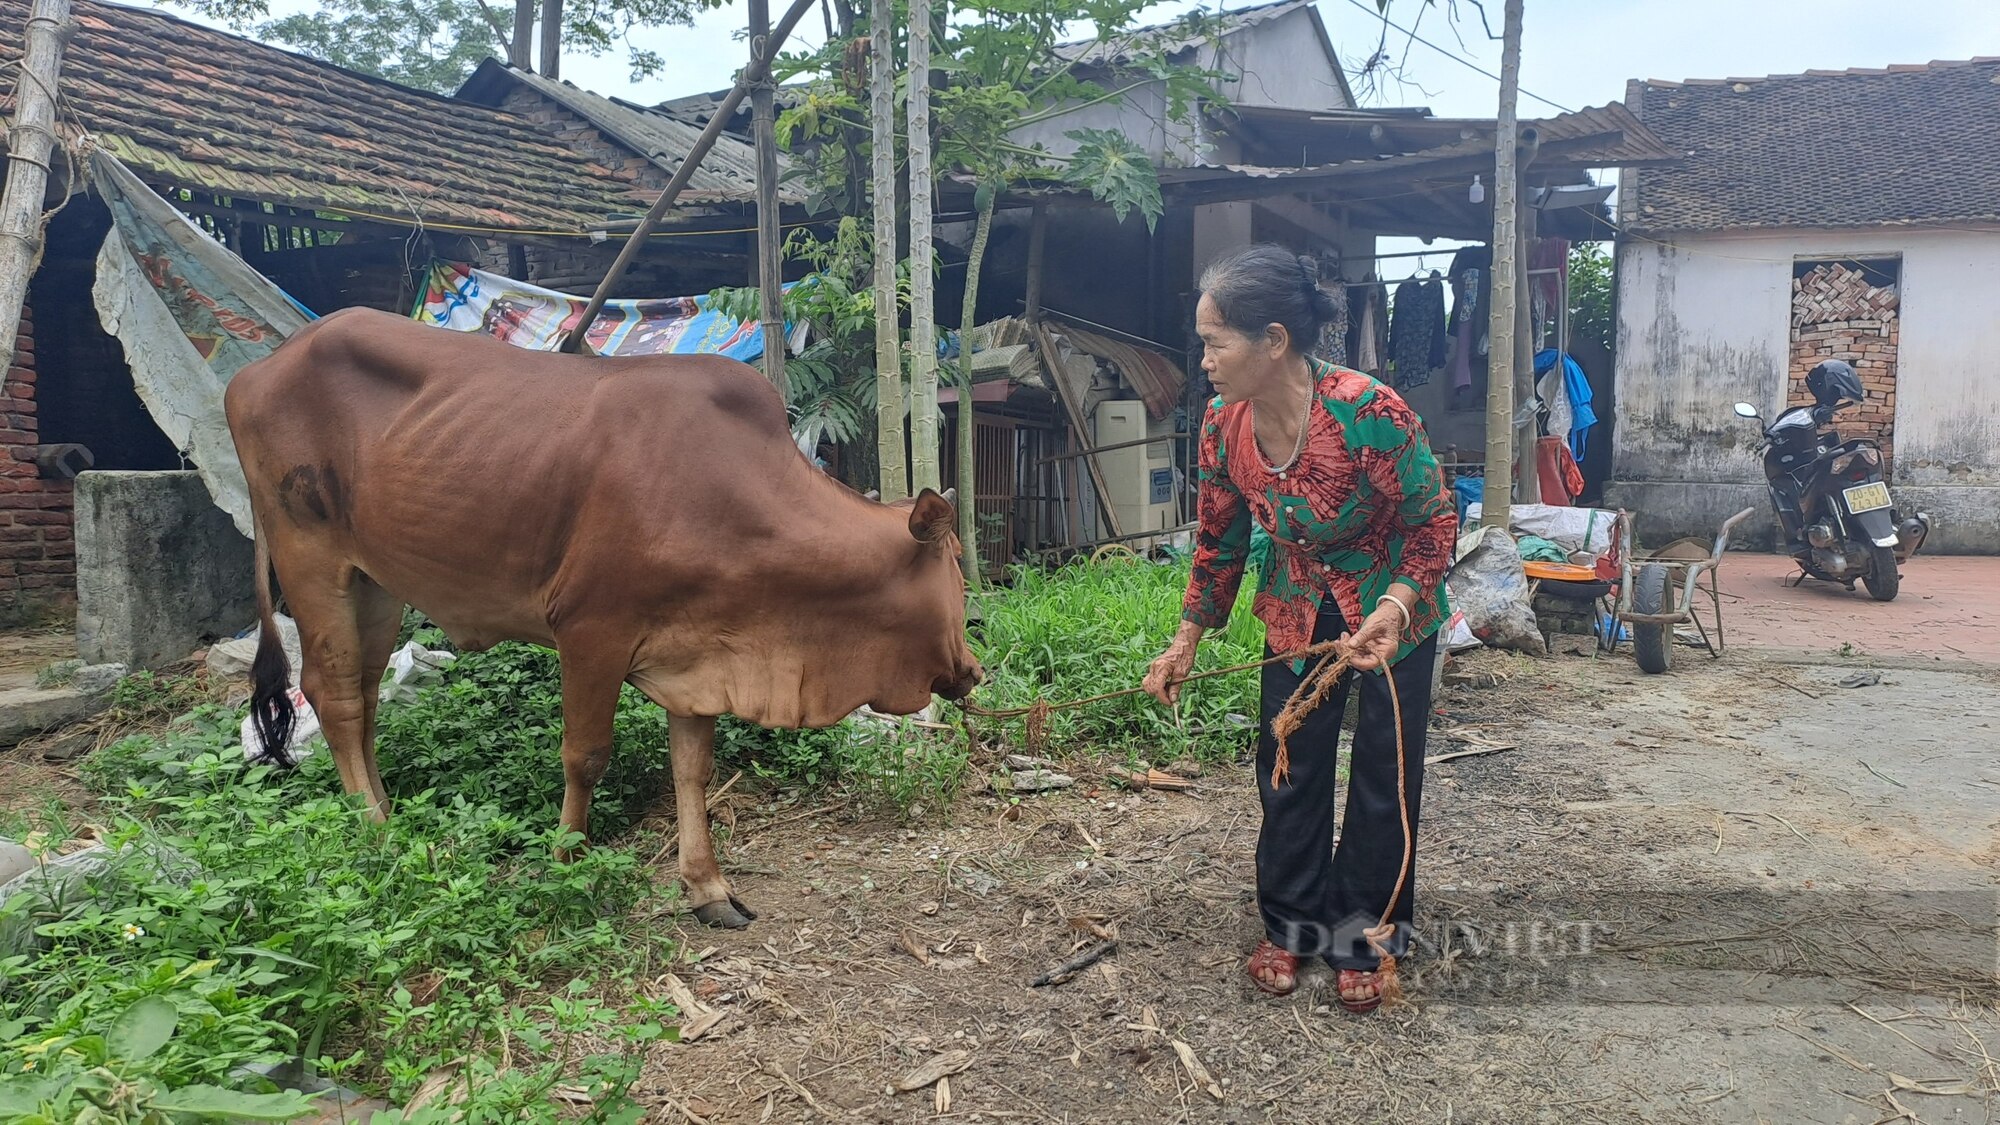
1062, 973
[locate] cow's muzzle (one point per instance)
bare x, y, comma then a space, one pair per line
959, 686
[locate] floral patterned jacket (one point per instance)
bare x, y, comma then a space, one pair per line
1364, 505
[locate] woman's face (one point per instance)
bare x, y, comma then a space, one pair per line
1240, 366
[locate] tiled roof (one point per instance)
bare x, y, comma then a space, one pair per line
727, 174
1903, 145
188, 106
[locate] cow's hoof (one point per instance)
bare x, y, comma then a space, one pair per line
729, 914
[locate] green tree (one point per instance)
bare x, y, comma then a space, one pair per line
435, 44
1590, 291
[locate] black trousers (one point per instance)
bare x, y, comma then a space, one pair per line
1317, 899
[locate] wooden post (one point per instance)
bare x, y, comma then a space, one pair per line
31, 138
756, 73
924, 471
1527, 455
1038, 238
770, 266
889, 431
1498, 499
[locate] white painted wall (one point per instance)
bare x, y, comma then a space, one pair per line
1284, 62
1280, 63
1705, 322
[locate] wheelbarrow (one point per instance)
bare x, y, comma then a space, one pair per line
1653, 593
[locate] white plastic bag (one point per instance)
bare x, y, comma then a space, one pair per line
412, 669
1490, 588
305, 736
1572, 529
1458, 635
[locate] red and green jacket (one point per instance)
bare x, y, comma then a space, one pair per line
1364, 505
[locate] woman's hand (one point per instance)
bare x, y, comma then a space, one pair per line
1380, 635
1163, 678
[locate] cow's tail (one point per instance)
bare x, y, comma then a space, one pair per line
271, 672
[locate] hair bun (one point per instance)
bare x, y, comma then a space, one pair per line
1324, 308
1309, 267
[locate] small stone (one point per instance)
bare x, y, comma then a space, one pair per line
97, 679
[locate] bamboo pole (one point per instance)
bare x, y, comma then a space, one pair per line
31, 140
924, 472
770, 263
756, 72
889, 431
1497, 503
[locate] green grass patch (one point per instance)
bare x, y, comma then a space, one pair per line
254, 917
1090, 628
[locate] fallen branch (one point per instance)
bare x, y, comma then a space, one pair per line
1062, 973
934, 1069
1434, 759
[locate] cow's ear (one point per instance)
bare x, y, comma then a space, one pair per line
932, 518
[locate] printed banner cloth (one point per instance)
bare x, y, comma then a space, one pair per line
458, 297
190, 315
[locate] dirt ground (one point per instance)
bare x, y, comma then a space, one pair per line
1737, 893
1740, 892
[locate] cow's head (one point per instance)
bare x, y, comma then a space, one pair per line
941, 591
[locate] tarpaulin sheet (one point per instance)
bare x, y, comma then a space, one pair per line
465, 299
190, 315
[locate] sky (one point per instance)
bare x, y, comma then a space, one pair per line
1574, 52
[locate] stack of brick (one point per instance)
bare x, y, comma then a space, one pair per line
1836, 314
37, 550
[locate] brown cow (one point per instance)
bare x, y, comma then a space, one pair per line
650, 518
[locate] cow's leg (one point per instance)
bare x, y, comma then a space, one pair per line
347, 629
590, 688
693, 744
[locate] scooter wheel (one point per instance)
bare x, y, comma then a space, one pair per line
1882, 579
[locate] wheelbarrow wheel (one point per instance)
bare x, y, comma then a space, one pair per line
1653, 643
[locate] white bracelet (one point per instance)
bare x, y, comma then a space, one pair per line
1400, 608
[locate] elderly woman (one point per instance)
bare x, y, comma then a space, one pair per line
1334, 466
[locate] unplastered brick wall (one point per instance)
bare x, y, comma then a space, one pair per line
1836, 314
37, 549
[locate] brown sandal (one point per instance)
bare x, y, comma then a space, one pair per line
1356, 978
1268, 958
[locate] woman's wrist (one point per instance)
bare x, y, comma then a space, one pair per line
1391, 607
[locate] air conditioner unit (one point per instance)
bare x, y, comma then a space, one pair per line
1139, 478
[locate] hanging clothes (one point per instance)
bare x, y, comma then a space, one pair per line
1570, 388
1416, 332
1371, 325
1562, 480
1466, 327
1333, 336
1471, 276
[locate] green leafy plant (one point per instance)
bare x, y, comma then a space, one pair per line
118, 1074
1088, 628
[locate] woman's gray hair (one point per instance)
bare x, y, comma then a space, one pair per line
1267, 284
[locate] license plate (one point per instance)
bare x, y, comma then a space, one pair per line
1867, 497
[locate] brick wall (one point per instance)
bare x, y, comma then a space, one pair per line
1836, 315
37, 550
